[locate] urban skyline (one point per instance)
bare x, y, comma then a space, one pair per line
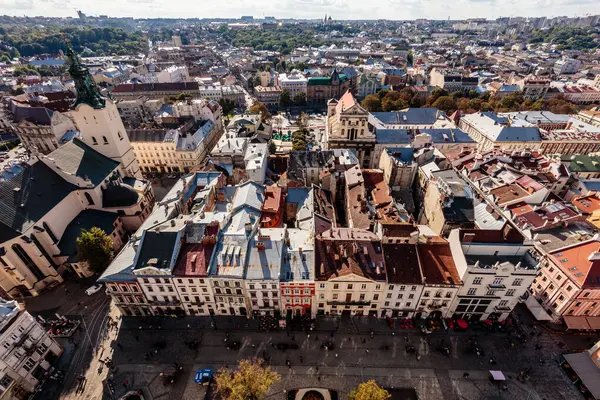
305, 9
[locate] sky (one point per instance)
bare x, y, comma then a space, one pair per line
338, 9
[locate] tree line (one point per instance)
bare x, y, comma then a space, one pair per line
468, 103
88, 41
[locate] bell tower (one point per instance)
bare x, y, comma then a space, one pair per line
98, 119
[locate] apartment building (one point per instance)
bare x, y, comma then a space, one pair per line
452, 80
27, 352
496, 268
297, 274
567, 285
294, 83
350, 272
266, 254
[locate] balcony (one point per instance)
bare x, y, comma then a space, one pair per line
434, 306
496, 286
348, 303
502, 308
165, 302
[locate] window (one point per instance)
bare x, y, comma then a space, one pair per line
22, 254
105, 139
94, 141
377, 287
408, 304
335, 296
49, 232
517, 282
28, 366
388, 296
413, 288
363, 286
350, 286
399, 295
477, 281
569, 288
362, 297
497, 281
391, 287
503, 303
490, 293
578, 304
426, 293
402, 288
321, 286
411, 296
120, 135
387, 303
510, 292
89, 199
336, 286
6, 381
472, 292
375, 297
586, 294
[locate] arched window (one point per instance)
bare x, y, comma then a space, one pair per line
24, 257
94, 141
89, 199
49, 232
105, 139
120, 136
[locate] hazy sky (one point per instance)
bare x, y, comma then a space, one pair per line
338, 9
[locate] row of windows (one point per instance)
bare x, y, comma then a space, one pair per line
350, 286
497, 281
473, 292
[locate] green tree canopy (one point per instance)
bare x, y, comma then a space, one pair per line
372, 103
445, 103
250, 381
285, 100
95, 247
300, 99
369, 391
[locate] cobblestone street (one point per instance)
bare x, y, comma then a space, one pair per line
354, 358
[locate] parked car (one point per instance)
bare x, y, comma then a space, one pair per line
93, 289
204, 376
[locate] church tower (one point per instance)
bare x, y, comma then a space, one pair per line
98, 119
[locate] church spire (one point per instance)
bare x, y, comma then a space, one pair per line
87, 91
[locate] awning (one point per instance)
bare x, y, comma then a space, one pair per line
537, 310
594, 322
576, 323
586, 370
497, 375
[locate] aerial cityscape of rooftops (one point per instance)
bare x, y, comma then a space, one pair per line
299, 209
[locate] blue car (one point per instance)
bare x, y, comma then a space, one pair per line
204, 376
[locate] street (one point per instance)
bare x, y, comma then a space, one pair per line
354, 357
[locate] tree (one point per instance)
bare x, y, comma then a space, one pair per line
409, 58
299, 140
302, 122
272, 147
260, 108
369, 391
249, 381
372, 103
285, 100
300, 99
95, 247
445, 103
227, 105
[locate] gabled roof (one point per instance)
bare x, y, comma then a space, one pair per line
77, 158
249, 194
409, 116
27, 195
37, 115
